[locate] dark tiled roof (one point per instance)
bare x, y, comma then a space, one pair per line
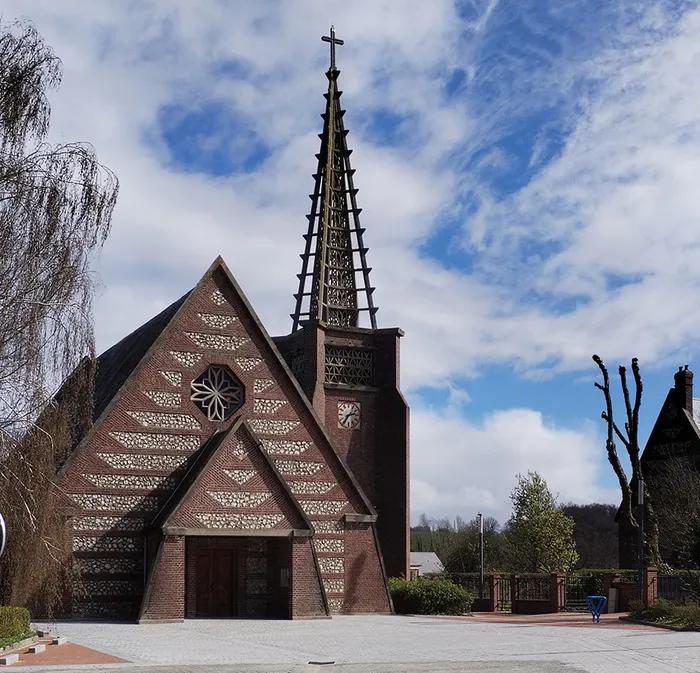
116, 364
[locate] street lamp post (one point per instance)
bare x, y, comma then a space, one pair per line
481, 555
640, 542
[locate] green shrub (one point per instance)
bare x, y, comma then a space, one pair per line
14, 625
672, 613
429, 596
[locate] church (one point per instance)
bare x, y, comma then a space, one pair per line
229, 473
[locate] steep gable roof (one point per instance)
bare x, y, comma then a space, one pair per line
116, 364
137, 348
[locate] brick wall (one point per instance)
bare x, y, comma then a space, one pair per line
165, 597
365, 590
307, 592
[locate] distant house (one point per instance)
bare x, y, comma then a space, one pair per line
425, 563
675, 434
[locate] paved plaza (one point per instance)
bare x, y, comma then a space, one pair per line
385, 644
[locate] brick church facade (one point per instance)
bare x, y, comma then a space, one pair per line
231, 474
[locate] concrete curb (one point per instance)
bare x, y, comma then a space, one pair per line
19, 644
668, 627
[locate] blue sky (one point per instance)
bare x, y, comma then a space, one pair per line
527, 172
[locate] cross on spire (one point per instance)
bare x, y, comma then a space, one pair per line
332, 39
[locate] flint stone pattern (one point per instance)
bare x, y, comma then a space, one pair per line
240, 500
334, 586
256, 607
217, 321
219, 342
310, 487
185, 358
329, 546
256, 565
155, 440
117, 503
335, 566
98, 610
217, 296
240, 450
284, 447
146, 483
240, 476
161, 420
116, 523
173, 378
240, 521
111, 566
106, 543
263, 406
322, 507
142, 461
261, 385
329, 527
248, 364
335, 605
268, 426
297, 468
164, 398
256, 586
108, 588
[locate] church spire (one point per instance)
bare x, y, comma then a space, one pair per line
334, 253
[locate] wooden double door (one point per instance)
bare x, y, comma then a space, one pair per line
216, 583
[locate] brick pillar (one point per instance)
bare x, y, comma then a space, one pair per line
558, 592
650, 577
515, 607
494, 584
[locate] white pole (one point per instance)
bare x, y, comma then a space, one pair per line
481, 555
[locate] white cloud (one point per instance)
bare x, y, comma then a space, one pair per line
459, 467
619, 197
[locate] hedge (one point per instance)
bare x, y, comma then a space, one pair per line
671, 613
429, 596
14, 625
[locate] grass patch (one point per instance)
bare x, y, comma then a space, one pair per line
10, 640
683, 614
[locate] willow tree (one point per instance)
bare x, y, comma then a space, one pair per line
56, 203
628, 518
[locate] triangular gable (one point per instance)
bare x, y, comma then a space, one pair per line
218, 293
233, 488
674, 433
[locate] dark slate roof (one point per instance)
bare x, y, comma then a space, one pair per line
116, 364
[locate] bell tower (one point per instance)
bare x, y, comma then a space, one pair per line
348, 366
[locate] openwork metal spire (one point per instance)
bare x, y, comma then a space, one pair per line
329, 290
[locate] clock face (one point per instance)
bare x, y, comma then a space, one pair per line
349, 415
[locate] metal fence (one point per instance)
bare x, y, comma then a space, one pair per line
470, 581
578, 587
504, 595
673, 587
533, 587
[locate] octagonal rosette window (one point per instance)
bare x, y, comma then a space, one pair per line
217, 393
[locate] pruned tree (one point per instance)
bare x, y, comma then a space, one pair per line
630, 440
539, 534
56, 204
